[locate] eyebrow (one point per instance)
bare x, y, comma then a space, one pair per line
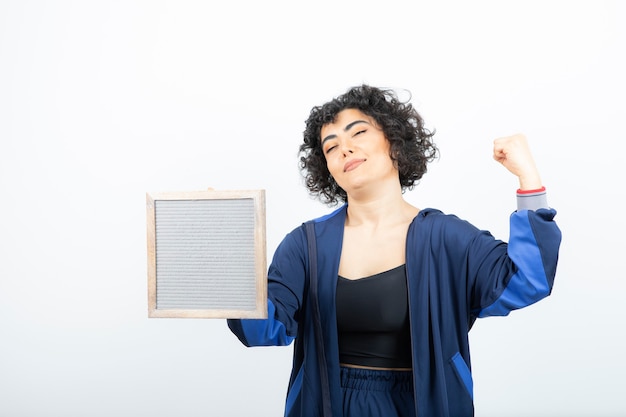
345, 129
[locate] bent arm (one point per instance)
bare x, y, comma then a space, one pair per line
525, 274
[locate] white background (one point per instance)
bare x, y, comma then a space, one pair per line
103, 101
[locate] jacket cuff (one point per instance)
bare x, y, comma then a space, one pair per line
532, 199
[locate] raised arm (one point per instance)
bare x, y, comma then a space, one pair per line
534, 240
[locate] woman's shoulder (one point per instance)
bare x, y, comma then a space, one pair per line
322, 224
431, 214
436, 218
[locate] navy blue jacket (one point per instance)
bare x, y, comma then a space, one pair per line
456, 273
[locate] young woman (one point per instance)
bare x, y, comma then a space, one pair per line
381, 299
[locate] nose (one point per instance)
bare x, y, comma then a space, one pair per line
345, 148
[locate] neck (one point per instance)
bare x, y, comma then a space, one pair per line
383, 209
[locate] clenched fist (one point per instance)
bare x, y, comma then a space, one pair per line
514, 153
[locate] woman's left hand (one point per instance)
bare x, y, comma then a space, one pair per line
514, 153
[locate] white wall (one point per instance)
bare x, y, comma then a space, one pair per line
102, 101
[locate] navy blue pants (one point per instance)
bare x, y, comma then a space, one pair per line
376, 393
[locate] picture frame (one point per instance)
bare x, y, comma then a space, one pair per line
206, 254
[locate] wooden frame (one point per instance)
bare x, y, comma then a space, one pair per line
207, 254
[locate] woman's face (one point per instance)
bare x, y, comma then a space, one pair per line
357, 151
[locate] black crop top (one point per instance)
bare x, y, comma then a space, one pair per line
373, 320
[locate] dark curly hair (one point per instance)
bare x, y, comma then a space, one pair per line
411, 145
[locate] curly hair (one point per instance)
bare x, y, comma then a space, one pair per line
411, 145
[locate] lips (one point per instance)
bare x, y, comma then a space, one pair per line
352, 164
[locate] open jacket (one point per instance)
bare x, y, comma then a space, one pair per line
455, 274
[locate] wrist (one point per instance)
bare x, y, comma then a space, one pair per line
532, 199
531, 191
529, 179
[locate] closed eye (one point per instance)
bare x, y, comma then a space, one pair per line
360, 131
